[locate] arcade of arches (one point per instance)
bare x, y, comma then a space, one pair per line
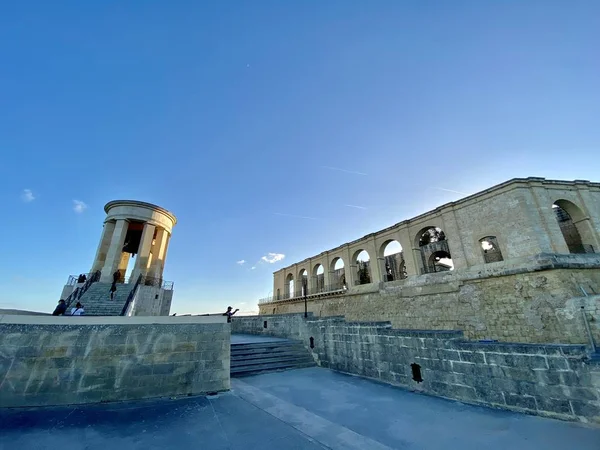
457, 267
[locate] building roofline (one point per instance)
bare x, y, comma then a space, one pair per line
115, 203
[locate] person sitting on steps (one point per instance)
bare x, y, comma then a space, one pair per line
78, 310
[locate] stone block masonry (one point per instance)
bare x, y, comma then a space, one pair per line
536, 301
65, 360
558, 381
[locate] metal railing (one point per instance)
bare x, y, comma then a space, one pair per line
77, 279
299, 295
131, 295
146, 280
79, 291
157, 282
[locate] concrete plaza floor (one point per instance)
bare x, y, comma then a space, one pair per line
302, 409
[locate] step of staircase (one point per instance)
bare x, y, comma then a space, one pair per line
255, 358
96, 300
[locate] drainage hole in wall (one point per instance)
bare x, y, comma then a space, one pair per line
416, 372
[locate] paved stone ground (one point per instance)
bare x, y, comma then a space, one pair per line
302, 409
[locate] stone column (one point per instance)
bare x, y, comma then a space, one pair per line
143, 256
159, 250
107, 232
350, 269
326, 271
113, 257
375, 262
164, 259
409, 252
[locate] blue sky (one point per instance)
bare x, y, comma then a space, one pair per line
236, 116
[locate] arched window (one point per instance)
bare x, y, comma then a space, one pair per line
491, 249
392, 261
574, 226
278, 294
363, 264
435, 252
319, 278
302, 283
338, 274
289, 286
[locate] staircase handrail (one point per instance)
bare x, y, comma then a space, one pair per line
131, 295
78, 292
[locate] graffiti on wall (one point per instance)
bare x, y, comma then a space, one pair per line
79, 361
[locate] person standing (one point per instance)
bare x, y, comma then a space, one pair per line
229, 313
60, 308
113, 289
78, 310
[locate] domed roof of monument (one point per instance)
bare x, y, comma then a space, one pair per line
115, 203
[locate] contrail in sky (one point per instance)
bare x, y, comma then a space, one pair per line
297, 217
449, 190
344, 170
356, 206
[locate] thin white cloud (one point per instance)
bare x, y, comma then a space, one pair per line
356, 206
272, 258
253, 268
449, 190
295, 216
79, 206
27, 196
241, 262
339, 169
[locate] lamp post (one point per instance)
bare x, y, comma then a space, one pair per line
305, 301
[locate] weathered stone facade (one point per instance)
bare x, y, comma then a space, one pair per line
532, 290
73, 360
550, 380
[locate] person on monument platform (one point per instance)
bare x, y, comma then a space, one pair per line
229, 313
60, 308
113, 289
78, 310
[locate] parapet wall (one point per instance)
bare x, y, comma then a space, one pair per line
532, 300
72, 360
557, 381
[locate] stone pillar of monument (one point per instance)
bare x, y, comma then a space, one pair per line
115, 250
158, 252
143, 257
100, 258
133, 229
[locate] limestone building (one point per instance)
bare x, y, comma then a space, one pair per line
516, 262
134, 242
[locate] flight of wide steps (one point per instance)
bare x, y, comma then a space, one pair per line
96, 300
260, 357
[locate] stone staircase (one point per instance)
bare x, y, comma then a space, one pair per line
260, 357
96, 300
